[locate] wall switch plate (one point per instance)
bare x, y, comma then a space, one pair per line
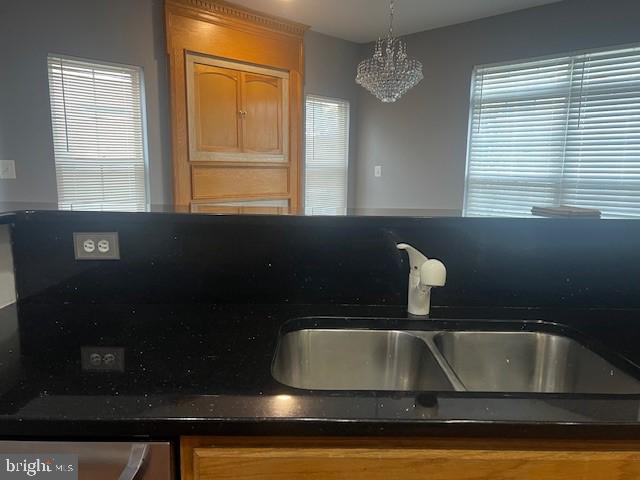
7, 169
96, 246
102, 359
377, 170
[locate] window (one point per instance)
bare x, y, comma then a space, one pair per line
556, 131
327, 153
98, 134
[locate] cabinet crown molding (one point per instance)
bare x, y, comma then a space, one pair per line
220, 7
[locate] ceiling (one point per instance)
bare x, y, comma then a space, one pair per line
365, 20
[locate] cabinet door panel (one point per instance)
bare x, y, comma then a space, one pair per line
217, 106
262, 122
211, 182
363, 464
379, 459
248, 207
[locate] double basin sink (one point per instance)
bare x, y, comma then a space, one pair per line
446, 360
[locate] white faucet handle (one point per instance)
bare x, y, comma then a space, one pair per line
433, 273
416, 258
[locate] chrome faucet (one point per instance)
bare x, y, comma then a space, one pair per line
425, 274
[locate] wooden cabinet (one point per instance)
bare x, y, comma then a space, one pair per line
236, 115
238, 136
236, 103
209, 458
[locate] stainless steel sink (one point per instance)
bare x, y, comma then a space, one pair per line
475, 361
322, 359
529, 362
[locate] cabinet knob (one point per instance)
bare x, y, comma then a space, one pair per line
242, 113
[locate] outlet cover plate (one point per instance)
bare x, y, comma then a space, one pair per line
102, 359
7, 169
96, 246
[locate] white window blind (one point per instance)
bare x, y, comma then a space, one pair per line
327, 154
557, 131
98, 134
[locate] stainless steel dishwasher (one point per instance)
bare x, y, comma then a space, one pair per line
95, 460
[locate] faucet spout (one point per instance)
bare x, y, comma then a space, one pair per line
416, 258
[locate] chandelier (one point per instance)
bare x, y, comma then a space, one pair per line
390, 73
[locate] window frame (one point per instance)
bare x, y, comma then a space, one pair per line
555, 56
307, 95
143, 117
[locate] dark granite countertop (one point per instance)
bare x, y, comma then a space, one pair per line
205, 369
22, 207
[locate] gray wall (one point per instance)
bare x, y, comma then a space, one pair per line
330, 65
421, 140
120, 31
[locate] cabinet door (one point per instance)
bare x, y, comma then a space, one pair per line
217, 104
262, 100
363, 459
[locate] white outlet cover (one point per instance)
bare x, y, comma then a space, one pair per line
7, 169
377, 170
96, 246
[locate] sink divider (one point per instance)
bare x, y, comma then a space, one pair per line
427, 338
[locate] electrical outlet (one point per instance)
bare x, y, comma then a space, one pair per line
377, 170
7, 169
102, 359
96, 245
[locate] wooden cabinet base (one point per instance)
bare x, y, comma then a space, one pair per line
240, 458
